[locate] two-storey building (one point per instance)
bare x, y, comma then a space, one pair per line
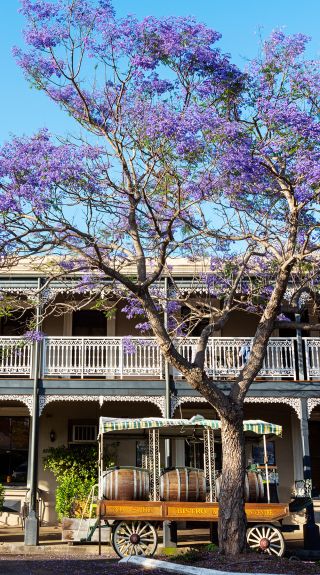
93, 364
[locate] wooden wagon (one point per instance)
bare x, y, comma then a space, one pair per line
135, 523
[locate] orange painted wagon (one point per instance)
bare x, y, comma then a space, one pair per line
136, 501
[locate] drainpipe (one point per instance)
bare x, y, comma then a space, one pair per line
31, 533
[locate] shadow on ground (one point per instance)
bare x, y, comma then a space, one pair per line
53, 566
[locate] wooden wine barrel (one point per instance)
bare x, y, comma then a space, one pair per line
126, 483
261, 487
183, 484
246, 488
254, 492
218, 487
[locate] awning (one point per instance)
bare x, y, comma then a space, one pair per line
108, 424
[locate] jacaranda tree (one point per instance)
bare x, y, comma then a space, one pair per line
179, 153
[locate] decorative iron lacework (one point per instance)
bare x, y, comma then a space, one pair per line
293, 402
312, 402
177, 401
154, 464
26, 399
303, 488
159, 401
210, 467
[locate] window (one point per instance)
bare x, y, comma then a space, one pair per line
258, 454
84, 433
14, 446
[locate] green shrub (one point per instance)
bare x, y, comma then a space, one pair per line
76, 471
81, 461
212, 547
71, 495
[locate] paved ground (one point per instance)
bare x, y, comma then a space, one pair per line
55, 558
86, 565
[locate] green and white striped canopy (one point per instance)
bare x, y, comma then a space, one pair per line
108, 424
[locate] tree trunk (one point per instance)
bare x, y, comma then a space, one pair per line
232, 518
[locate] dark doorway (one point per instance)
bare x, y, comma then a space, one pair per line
288, 332
89, 322
16, 323
14, 445
314, 439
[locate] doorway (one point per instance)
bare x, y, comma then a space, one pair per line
314, 440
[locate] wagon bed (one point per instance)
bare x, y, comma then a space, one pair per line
185, 511
134, 530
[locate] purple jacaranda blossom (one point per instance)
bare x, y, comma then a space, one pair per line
34, 335
143, 326
283, 317
129, 345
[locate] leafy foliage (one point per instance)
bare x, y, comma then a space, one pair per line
76, 471
81, 461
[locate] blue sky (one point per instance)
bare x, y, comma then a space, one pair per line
24, 110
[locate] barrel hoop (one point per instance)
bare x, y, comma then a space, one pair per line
179, 485
116, 485
197, 486
134, 484
140, 484
187, 484
111, 486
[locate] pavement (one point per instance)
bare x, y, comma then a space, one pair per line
54, 557
12, 543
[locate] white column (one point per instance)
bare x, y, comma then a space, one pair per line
111, 326
297, 448
179, 453
67, 323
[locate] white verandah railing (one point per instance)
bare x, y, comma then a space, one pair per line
226, 356
15, 356
312, 356
140, 356
118, 356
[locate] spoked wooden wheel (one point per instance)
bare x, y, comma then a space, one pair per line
134, 538
267, 538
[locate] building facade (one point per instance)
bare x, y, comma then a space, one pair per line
94, 365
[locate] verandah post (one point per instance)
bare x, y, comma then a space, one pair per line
310, 529
31, 533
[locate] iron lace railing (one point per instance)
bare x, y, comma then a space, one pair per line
141, 357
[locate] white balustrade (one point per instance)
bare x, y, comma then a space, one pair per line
280, 358
312, 355
115, 356
140, 356
15, 356
226, 356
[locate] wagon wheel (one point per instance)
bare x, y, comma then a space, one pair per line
267, 538
134, 538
